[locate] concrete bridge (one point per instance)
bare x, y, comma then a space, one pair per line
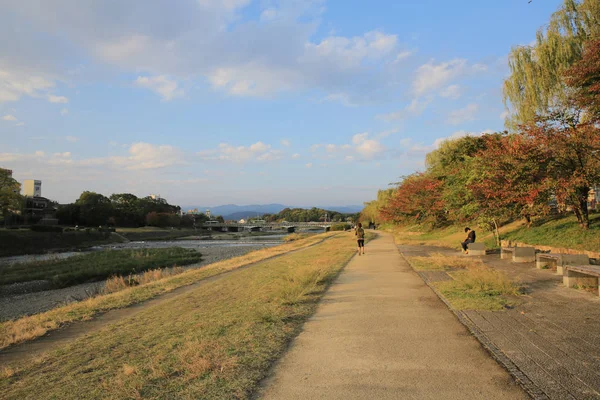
250, 227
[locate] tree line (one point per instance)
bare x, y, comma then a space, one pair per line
121, 209
548, 159
308, 215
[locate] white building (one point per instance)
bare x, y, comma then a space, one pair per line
32, 188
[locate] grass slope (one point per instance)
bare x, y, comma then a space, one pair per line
562, 232
216, 342
31, 327
97, 265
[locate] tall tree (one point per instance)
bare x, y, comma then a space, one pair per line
417, 198
573, 159
584, 79
510, 179
536, 83
10, 199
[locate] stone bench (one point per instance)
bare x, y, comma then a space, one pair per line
581, 275
476, 249
518, 254
560, 260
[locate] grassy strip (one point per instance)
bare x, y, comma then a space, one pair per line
563, 232
479, 288
213, 343
97, 265
441, 262
30, 327
474, 285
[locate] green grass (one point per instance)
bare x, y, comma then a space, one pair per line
561, 232
14, 242
216, 342
97, 265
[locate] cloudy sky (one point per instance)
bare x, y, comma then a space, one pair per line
301, 102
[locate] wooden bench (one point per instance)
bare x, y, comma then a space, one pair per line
581, 275
560, 260
476, 249
518, 254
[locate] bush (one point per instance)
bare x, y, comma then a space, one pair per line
46, 228
341, 227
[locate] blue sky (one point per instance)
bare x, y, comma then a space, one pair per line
209, 102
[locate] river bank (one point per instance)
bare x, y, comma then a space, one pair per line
14, 303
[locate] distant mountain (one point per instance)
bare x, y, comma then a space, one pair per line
242, 214
233, 211
228, 209
344, 209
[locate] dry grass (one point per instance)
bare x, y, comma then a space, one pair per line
213, 343
31, 327
118, 283
295, 236
442, 262
479, 288
475, 286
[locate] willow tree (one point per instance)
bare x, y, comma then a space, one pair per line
536, 83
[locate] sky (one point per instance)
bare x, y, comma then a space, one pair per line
209, 102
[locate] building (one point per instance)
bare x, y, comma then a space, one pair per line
156, 197
32, 188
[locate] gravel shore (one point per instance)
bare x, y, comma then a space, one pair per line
17, 305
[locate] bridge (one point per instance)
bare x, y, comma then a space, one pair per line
250, 227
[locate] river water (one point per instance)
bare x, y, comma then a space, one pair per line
251, 241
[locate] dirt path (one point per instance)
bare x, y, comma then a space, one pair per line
381, 333
57, 338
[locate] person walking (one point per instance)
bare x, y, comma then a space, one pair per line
360, 238
470, 239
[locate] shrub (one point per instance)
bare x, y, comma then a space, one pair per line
340, 227
46, 228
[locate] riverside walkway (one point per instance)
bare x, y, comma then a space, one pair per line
381, 333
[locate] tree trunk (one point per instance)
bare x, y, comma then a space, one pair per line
496, 232
585, 217
528, 219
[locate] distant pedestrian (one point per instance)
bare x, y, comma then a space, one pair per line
360, 238
470, 239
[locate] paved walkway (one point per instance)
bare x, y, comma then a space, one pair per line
552, 336
381, 333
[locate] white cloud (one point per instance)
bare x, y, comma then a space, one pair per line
162, 85
402, 55
268, 14
285, 142
431, 76
71, 139
150, 156
309, 165
466, 114
64, 111
451, 92
20, 124
415, 108
15, 83
9, 117
295, 156
362, 148
504, 115
367, 148
258, 151
57, 99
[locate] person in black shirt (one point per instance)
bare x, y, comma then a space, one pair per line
470, 239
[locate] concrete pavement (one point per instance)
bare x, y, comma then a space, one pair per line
381, 333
